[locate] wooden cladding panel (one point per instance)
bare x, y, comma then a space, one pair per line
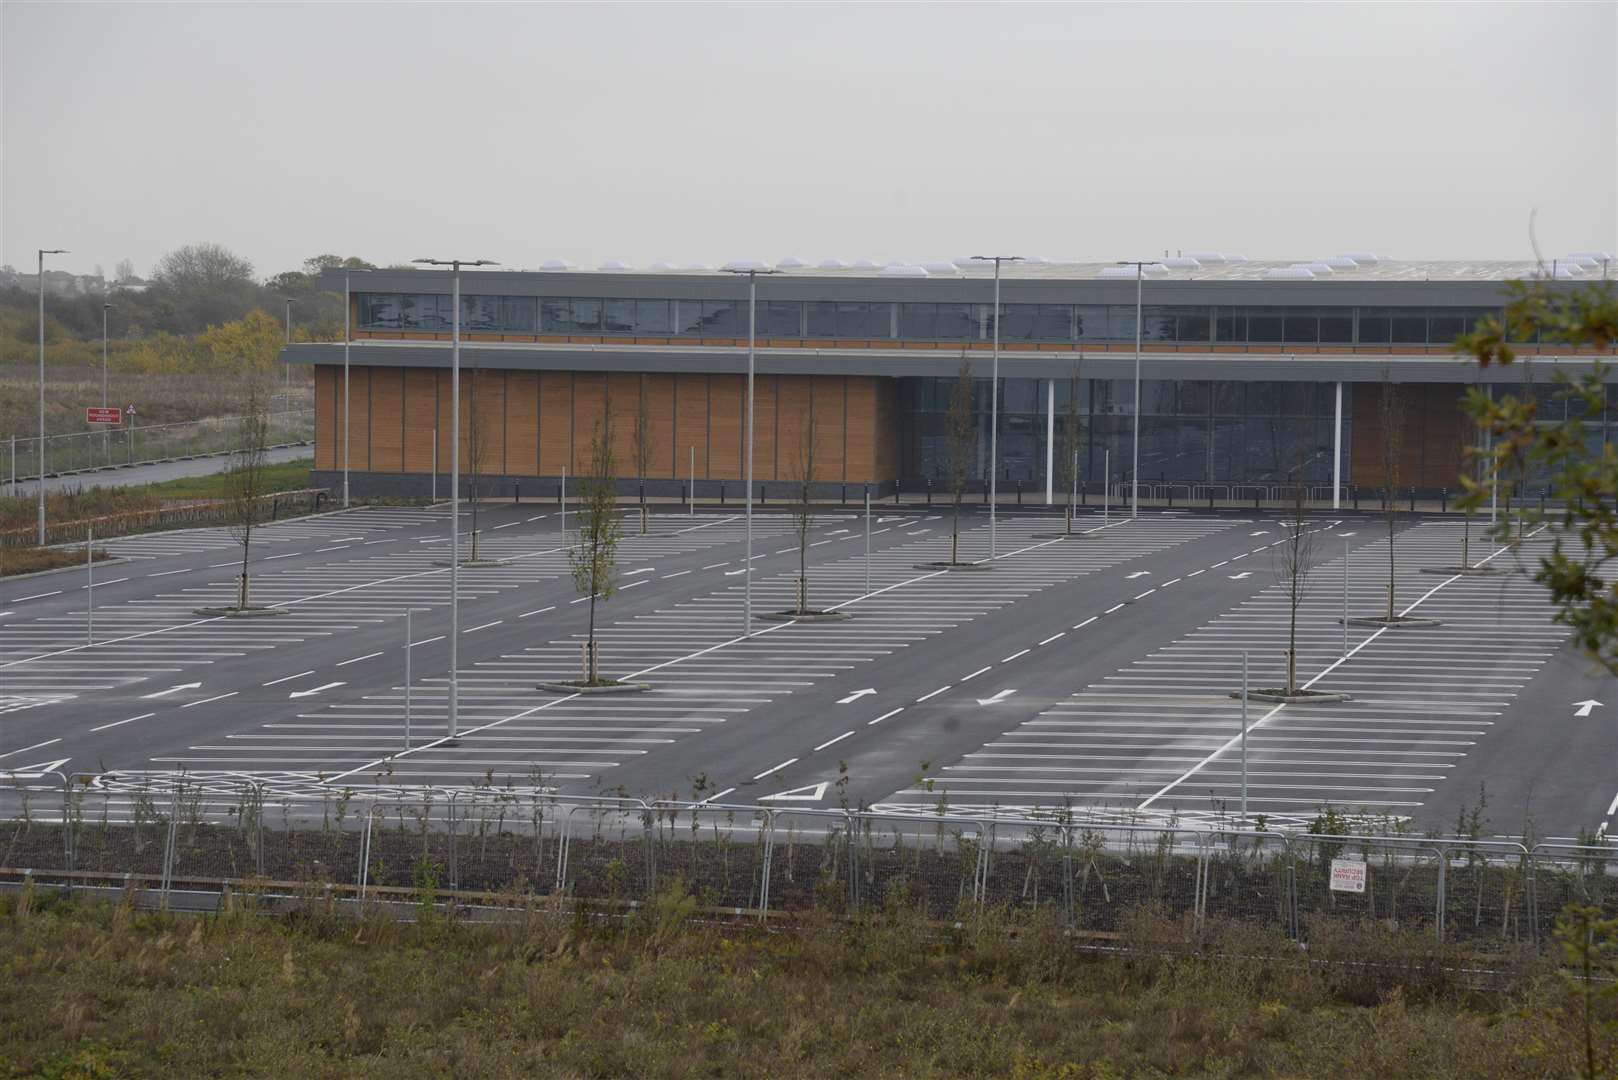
589, 401
483, 422
623, 405
792, 427
326, 380
690, 423
387, 419
831, 425
861, 460
359, 425
555, 421
766, 465
663, 458
725, 393
444, 403
1430, 449
522, 423
420, 409
886, 435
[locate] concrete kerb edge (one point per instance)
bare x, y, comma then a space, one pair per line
805, 617
239, 613
63, 569
569, 688
1310, 697
1400, 622
951, 567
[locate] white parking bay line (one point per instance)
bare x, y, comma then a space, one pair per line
475, 629
934, 694
846, 734
976, 673
543, 610
120, 723
355, 660
884, 716
1013, 656
776, 769
36, 746
289, 678
204, 701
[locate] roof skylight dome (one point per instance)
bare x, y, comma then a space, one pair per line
867, 264
908, 270
1182, 262
1364, 258
1321, 267
743, 265
556, 264
663, 265
1289, 273
613, 264
1341, 262
791, 262
833, 264
1212, 258
939, 267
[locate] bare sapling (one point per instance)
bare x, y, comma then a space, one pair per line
594, 557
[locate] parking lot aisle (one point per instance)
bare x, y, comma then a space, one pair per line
1156, 735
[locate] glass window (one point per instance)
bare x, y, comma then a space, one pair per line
916, 321
953, 322
856, 320
424, 311
1231, 324
1264, 324
1092, 323
480, 313
1192, 325
1375, 326
1301, 325
519, 313
1157, 324
687, 316
1055, 323
780, 318
554, 315
1017, 321
723, 318
1121, 322
617, 316
1196, 397
383, 310
1409, 326
822, 318
653, 317
1444, 325
586, 315
1337, 325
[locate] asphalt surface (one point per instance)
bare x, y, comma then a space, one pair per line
1092, 672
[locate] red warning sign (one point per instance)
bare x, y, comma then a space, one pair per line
95, 414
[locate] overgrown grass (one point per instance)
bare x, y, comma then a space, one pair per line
107, 991
30, 560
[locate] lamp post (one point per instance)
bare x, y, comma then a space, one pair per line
455, 486
1134, 467
994, 401
752, 269
347, 335
106, 451
42, 253
290, 301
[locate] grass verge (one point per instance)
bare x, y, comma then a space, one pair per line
103, 990
76, 504
30, 560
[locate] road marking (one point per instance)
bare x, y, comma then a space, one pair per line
642, 570
216, 697
1194, 573
1086, 622
1144, 595
839, 739
172, 689
289, 678
541, 611
1136, 574
355, 660
311, 690
485, 626
717, 795
166, 573
36, 596
580, 600
334, 547
976, 673
1613, 809
856, 695
36, 746
1112, 609
120, 723
631, 585
1167, 583
1013, 656
997, 698
884, 716
430, 640
217, 565
1238, 577
776, 769
807, 793
1053, 637
1586, 705
507, 525
717, 565
934, 694
288, 555
538, 516
733, 573
677, 573
1216, 565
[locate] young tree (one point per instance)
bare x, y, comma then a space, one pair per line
962, 435
803, 511
643, 447
594, 557
246, 483
1391, 413
1069, 465
1578, 568
1294, 564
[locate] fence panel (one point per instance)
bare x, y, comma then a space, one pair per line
1248, 876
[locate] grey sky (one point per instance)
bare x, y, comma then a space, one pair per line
706, 133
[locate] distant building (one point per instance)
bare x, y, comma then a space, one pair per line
1254, 372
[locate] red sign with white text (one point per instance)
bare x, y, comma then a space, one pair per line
94, 414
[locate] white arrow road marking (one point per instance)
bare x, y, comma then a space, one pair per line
1260, 532
315, 690
1001, 696
1586, 705
172, 689
1136, 574
1244, 573
35, 772
855, 696
807, 793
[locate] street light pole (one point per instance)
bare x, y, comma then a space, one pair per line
106, 450
42, 253
455, 488
290, 301
1134, 468
994, 402
752, 270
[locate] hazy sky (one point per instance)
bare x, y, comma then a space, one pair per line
710, 132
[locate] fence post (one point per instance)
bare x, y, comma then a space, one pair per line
768, 834
649, 830
1443, 868
259, 827
67, 824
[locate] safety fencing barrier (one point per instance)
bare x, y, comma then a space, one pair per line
123, 446
275, 506
763, 862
